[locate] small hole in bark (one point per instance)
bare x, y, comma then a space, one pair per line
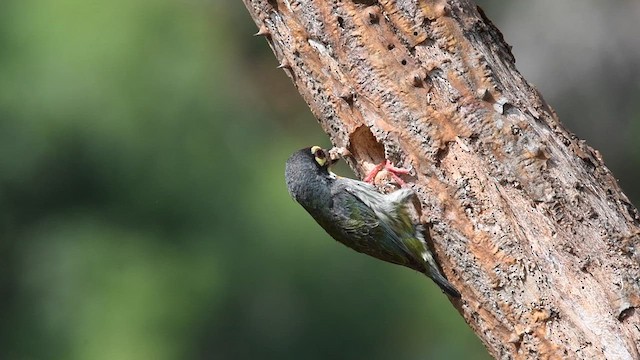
391, 46
626, 313
415, 33
366, 2
374, 16
341, 22
403, 62
273, 3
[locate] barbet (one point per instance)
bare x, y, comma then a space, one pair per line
356, 214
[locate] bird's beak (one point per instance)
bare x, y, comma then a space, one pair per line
336, 153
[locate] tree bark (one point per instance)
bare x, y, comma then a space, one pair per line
526, 220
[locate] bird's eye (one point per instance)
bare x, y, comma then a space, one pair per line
320, 155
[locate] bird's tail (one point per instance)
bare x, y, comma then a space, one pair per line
432, 271
443, 283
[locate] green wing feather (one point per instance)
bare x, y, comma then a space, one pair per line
378, 224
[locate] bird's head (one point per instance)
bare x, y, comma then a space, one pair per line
308, 167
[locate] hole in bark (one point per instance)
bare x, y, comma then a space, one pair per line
374, 15
391, 46
441, 154
626, 313
273, 3
366, 2
364, 146
415, 33
341, 22
403, 62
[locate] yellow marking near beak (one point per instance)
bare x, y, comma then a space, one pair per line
319, 154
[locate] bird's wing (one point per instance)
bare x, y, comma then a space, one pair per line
389, 207
356, 216
368, 207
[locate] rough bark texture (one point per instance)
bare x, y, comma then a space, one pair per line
526, 220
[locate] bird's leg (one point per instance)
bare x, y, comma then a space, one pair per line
372, 174
388, 166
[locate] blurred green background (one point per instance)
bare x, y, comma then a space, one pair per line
143, 212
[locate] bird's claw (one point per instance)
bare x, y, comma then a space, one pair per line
392, 170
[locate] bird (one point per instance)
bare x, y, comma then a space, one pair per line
356, 214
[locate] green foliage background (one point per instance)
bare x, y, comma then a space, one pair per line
143, 212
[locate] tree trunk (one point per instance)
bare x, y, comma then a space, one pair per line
526, 220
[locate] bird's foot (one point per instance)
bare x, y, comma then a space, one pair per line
388, 167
